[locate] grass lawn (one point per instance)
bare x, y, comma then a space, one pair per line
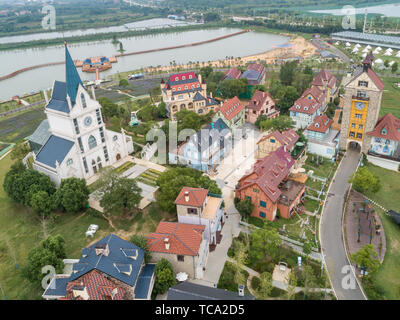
388, 277
390, 98
322, 170
226, 280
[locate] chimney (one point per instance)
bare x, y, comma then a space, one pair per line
166, 242
187, 196
241, 290
114, 293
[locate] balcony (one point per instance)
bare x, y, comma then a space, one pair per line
360, 98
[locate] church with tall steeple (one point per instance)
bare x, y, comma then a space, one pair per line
74, 141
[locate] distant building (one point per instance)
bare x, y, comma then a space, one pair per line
322, 139
312, 103
377, 40
326, 82
110, 269
78, 143
181, 244
206, 149
385, 143
186, 91
232, 112
268, 185
232, 74
193, 291
197, 206
261, 104
255, 74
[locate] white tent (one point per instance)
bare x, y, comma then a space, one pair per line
398, 54
364, 55
355, 49
379, 61
357, 45
387, 53
348, 44
366, 49
337, 43
378, 49
390, 49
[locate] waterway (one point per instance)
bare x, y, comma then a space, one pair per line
134, 26
238, 46
389, 10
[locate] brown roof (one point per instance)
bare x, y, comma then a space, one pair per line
196, 197
259, 99
97, 286
392, 126
231, 108
323, 78
287, 138
268, 173
320, 124
183, 239
310, 101
234, 73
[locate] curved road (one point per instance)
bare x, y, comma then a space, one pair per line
331, 230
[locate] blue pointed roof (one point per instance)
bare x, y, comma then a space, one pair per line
72, 76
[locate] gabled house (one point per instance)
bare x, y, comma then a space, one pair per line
206, 149
255, 74
261, 104
312, 103
232, 74
326, 82
323, 140
184, 245
197, 206
274, 141
232, 112
270, 188
186, 91
110, 269
385, 143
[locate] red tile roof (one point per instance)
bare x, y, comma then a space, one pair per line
196, 197
183, 239
375, 78
392, 126
97, 286
268, 173
231, 108
259, 99
324, 78
234, 73
310, 101
320, 124
256, 67
173, 78
287, 138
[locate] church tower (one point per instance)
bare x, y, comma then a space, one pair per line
362, 103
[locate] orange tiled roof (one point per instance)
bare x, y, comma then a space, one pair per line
183, 239
392, 126
320, 124
231, 108
196, 197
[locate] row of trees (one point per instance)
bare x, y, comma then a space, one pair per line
31, 188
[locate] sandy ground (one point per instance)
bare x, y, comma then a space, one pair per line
299, 47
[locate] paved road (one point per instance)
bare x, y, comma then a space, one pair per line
331, 229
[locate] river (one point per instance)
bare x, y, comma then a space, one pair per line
238, 46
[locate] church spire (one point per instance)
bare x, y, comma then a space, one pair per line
72, 77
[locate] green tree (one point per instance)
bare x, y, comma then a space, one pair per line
309, 279
265, 288
72, 195
109, 109
123, 83
245, 208
161, 110
118, 193
42, 203
141, 242
367, 258
205, 72
50, 251
364, 181
20, 151
289, 97
307, 247
260, 118
281, 124
288, 72
265, 242
148, 113
230, 88
386, 63
164, 276
330, 112
395, 67
187, 119
302, 81
211, 17
292, 284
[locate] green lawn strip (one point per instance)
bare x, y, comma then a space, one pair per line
311, 205
388, 277
390, 98
226, 280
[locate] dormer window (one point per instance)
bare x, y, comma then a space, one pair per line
190, 76
297, 107
176, 78
198, 85
305, 108
173, 89
183, 78
83, 101
363, 84
317, 125
384, 131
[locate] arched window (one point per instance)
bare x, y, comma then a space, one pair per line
92, 142
83, 100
